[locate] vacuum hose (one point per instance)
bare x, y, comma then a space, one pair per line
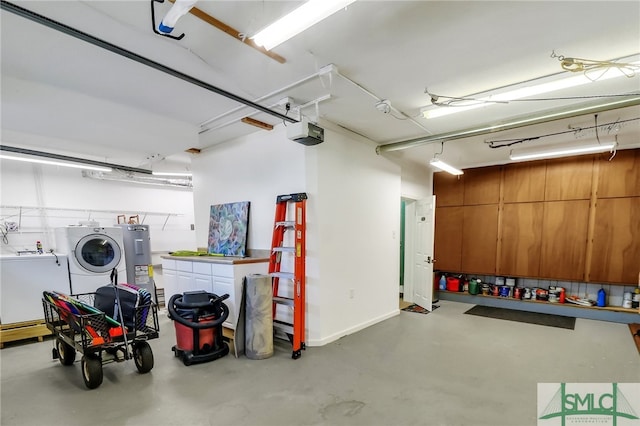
214, 300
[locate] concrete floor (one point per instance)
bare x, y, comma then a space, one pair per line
444, 368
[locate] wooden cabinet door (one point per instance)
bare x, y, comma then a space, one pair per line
448, 238
521, 239
482, 186
479, 246
564, 239
616, 241
448, 189
569, 179
620, 177
524, 182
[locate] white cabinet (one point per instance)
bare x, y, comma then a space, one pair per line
223, 285
22, 281
170, 278
213, 276
185, 282
181, 276
202, 278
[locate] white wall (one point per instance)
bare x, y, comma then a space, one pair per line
358, 231
254, 168
417, 181
32, 113
352, 218
80, 199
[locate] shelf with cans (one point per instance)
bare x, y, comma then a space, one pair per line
624, 299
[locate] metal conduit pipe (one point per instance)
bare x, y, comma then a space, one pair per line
58, 26
235, 120
508, 125
321, 72
379, 99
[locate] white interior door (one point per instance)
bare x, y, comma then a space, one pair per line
409, 243
423, 254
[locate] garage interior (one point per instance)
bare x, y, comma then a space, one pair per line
184, 123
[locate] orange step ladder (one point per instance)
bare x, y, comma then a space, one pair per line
293, 260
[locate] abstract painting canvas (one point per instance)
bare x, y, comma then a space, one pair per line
228, 225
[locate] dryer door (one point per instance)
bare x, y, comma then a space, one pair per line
98, 253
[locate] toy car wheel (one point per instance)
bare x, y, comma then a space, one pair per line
92, 371
66, 352
143, 357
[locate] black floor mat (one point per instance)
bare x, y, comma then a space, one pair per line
419, 309
523, 316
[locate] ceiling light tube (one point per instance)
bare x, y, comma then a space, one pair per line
561, 151
439, 164
519, 93
307, 15
182, 174
66, 159
55, 163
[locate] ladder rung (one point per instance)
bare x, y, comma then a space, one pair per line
285, 249
286, 223
281, 325
283, 300
285, 275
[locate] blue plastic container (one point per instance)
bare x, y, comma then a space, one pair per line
602, 298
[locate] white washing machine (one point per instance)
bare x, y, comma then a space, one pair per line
93, 252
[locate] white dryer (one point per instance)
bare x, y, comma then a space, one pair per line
93, 252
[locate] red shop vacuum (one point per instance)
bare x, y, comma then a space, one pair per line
198, 318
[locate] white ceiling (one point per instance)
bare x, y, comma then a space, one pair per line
62, 94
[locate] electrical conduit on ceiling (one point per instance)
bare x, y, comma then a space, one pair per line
330, 70
515, 123
377, 98
235, 120
321, 72
58, 26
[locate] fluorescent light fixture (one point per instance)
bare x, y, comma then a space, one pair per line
439, 164
433, 111
310, 13
56, 163
180, 174
561, 151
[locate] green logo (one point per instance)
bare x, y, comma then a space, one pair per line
588, 403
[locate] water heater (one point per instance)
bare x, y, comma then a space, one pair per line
137, 253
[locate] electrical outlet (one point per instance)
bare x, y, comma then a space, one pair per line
351, 293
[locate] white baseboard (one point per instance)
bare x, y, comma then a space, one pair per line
351, 330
